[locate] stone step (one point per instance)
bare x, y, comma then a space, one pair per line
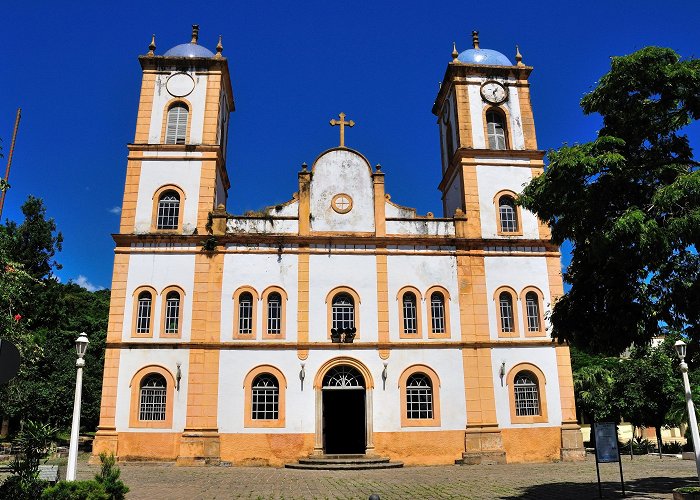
346, 466
343, 459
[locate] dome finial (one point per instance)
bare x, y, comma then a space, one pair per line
454, 52
219, 48
152, 45
518, 57
195, 33
475, 39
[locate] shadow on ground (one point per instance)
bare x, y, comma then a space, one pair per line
639, 488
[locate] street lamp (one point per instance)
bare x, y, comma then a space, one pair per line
680, 350
81, 344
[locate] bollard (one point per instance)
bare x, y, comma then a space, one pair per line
374, 496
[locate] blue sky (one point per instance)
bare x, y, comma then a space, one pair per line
72, 67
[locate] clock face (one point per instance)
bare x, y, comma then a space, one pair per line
494, 92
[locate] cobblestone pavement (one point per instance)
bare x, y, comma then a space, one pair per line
645, 477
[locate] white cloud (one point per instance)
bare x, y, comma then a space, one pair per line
83, 282
115, 210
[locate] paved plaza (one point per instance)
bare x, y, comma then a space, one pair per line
645, 477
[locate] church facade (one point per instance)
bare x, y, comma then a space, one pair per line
339, 322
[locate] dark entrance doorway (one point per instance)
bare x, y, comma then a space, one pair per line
344, 411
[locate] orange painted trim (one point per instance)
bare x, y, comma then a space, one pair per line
329, 307
419, 316
540, 306
135, 407
343, 360
135, 311
303, 300
236, 313
166, 110
382, 301
181, 209
163, 307
435, 386
283, 313
446, 306
518, 213
514, 304
248, 420
541, 392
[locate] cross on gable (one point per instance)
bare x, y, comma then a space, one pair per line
342, 124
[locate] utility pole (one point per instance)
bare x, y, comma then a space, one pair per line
9, 159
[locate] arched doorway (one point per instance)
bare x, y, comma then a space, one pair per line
344, 411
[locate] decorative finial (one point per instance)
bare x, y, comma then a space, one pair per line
475, 39
518, 57
195, 33
219, 48
152, 46
454, 52
304, 167
378, 168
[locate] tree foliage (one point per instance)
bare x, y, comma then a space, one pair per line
629, 202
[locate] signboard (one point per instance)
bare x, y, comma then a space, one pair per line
606, 449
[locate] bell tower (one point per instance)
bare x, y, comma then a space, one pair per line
485, 119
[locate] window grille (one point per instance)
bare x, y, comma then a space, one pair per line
343, 377
245, 313
437, 312
410, 323
143, 313
153, 397
172, 313
343, 311
532, 306
168, 210
508, 214
527, 401
274, 313
419, 396
265, 401
496, 130
176, 130
506, 305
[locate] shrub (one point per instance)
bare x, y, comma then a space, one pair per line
76, 490
108, 477
16, 488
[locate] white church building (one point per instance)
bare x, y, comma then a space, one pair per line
339, 322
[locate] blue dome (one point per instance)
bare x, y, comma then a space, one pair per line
486, 57
189, 50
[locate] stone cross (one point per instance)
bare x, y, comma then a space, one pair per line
342, 124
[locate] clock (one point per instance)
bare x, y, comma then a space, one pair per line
494, 92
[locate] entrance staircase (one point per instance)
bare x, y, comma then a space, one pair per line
344, 462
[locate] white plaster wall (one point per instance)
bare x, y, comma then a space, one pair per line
392, 210
161, 98
289, 209
156, 174
543, 358
492, 179
342, 171
476, 109
130, 362
259, 271
517, 273
159, 270
262, 226
422, 272
453, 197
329, 271
420, 227
301, 405
515, 126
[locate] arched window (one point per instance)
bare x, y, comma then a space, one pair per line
496, 129
526, 394
343, 311
168, 210
144, 309
274, 313
419, 396
176, 128
410, 314
152, 399
532, 310
265, 398
172, 313
245, 313
437, 313
508, 215
505, 306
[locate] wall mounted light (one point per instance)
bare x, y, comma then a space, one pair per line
385, 375
302, 375
178, 376
502, 371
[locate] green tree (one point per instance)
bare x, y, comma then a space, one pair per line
629, 203
594, 386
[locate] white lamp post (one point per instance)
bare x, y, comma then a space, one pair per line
81, 344
692, 420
